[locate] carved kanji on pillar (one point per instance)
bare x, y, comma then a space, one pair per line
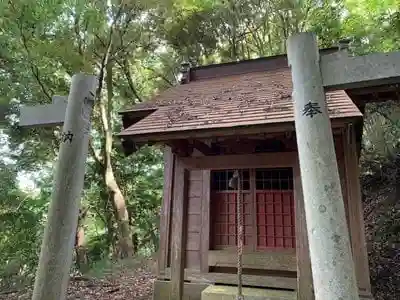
330, 251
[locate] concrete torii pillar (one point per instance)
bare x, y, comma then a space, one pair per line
330, 251
57, 247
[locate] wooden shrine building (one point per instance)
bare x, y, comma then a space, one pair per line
239, 116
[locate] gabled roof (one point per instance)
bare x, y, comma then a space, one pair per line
248, 93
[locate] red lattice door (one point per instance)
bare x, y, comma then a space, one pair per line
268, 208
275, 219
223, 210
275, 208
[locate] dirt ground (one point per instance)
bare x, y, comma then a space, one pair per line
137, 285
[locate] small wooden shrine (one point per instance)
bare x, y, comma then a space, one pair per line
239, 116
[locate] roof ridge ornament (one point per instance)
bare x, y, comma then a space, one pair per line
344, 44
185, 72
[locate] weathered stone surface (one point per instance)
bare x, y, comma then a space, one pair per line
342, 71
191, 291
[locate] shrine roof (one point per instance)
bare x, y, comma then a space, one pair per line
233, 95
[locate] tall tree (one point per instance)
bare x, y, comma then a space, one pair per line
57, 39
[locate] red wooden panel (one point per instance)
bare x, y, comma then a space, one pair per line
272, 222
224, 226
278, 220
288, 243
287, 231
275, 219
270, 207
270, 230
261, 219
287, 219
261, 242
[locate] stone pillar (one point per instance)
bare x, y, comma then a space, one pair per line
59, 236
330, 252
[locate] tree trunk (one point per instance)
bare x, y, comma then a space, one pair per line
135, 240
109, 222
233, 31
82, 261
81, 252
118, 200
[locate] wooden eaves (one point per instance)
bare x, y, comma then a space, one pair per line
235, 99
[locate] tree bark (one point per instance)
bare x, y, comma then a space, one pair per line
81, 251
82, 261
105, 108
118, 200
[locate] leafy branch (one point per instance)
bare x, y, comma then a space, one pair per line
128, 75
34, 68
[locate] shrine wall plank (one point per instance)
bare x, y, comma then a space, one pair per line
193, 228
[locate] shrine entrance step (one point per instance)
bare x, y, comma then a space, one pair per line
223, 292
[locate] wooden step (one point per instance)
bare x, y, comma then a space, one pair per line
224, 292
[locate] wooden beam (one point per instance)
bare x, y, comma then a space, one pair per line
165, 218
181, 147
202, 147
205, 221
256, 136
244, 145
268, 260
271, 160
362, 100
355, 211
387, 88
305, 289
340, 156
269, 281
178, 235
223, 132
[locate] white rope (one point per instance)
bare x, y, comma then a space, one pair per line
235, 182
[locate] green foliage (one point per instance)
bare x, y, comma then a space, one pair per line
44, 44
21, 224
